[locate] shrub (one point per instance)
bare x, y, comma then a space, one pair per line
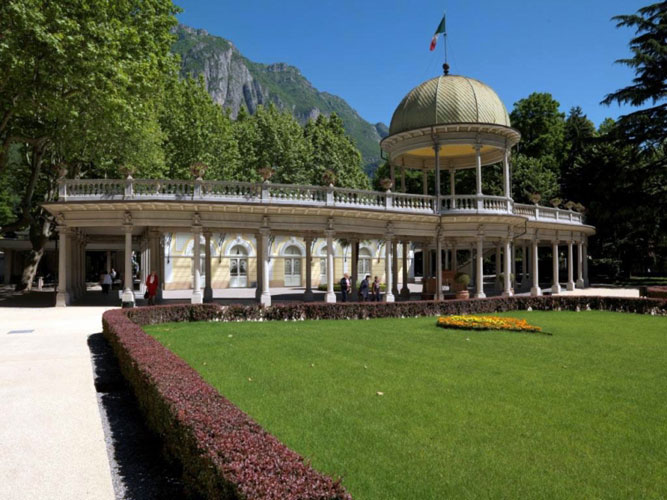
223, 452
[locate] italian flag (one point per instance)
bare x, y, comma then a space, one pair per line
440, 30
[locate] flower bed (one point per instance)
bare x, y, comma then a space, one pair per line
466, 322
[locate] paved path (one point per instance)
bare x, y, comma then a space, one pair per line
51, 439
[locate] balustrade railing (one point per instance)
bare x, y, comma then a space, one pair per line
288, 194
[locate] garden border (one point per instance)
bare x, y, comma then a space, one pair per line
222, 451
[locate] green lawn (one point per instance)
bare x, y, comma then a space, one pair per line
580, 414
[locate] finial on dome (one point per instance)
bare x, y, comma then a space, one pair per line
445, 69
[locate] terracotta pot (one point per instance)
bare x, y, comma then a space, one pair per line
463, 294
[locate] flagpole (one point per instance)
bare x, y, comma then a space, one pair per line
445, 66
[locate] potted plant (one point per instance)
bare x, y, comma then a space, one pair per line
329, 177
462, 280
570, 205
198, 169
266, 173
386, 184
555, 202
535, 198
127, 171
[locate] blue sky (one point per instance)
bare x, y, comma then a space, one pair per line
371, 53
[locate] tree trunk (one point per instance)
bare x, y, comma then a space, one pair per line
40, 231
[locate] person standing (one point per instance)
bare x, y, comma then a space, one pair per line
106, 283
151, 287
363, 289
376, 289
345, 286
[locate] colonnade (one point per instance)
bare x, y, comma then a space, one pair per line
72, 243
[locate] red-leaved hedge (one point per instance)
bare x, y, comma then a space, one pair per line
223, 452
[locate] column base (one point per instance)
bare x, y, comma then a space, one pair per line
62, 299
479, 295
580, 284
555, 289
265, 299
330, 298
308, 296
197, 297
536, 291
389, 297
127, 299
508, 293
208, 295
570, 285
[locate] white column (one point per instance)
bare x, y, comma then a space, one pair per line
308, 293
580, 265
514, 281
62, 295
162, 274
570, 265
143, 265
585, 259
331, 295
507, 281
405, 291
506, 173
128, 284
394, 267
478, 170
555, 285
208, 289
438, 267
265, 298
197, 297
425, 182
388, 296
479, 283
534, 258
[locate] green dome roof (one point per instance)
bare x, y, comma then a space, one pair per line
448, 99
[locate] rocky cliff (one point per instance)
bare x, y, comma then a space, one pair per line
234, 81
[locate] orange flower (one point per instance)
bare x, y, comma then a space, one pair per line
472, 322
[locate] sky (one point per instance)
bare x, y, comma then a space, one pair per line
371, 53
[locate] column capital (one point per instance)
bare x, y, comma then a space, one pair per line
477, 147
67, 230
329, 233
197, 229
265, 231
207, 234
128, 228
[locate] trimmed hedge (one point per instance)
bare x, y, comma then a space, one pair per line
223, 452
656, 292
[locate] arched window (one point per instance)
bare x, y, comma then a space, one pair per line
364, 263
238, 267
292, 258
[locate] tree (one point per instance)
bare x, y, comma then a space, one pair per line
333, 151
647, 126
79, 84
542, 126
197, 129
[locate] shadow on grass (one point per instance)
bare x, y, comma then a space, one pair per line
138, 469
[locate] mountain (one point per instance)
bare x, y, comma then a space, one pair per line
234, 81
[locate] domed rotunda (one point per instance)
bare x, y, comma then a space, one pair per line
450, 122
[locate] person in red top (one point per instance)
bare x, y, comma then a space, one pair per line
151, 287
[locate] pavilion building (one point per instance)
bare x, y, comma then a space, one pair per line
267, 235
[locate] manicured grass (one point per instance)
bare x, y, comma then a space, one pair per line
580, 414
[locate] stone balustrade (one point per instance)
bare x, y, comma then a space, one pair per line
289, 194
